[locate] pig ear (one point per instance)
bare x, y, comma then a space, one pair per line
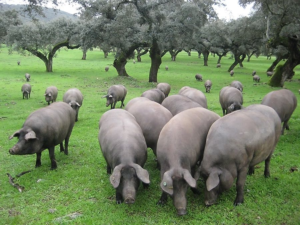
104, 96
77, 104
212, 181
116, 176
167, 183
49, 94
16, 134
141, 173
189, 179
110, 96
30, 135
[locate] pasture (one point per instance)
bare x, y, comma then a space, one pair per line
79, 191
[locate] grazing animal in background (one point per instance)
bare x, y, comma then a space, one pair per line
51, 94
237, 84
198, 77
234, 145
151, 117
27, 77
124, 149
180, 147
194, 94
218, 65
164, 87
167, 68
155, 95
256, 78
231, 99
231, 73
26, 90
106, 68
74, 98
269, 73
115, 93
18, 63
253, 73
133, 61
207, 86
44, 129
178, 103
284, 102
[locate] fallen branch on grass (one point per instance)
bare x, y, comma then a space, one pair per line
16, 185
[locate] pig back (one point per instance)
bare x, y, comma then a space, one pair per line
195, 95
229, 95
178, 103
52, 123
121, 138
117, 91
73, 95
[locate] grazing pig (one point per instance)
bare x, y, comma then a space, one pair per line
151, 117
194, 94
44, 129
18, 63
51, 94
198, 77
115, 93
218, 65
106, 68
207, 86
155, 95
74, 98
178, 103
234, 145
269, 73
124, 149
167, 68
180, 147
27, 77
164, 87
231, 72
26, 90
284, 102
253, 73
237, 84
256, 78
231, 99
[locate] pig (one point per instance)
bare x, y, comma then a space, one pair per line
234, 145
51, 94
269, 73
115, 93
178, 103
253, 73
207, 86
26, 90
284, 102
167, 68
18, 63
44, 129
27, 77
256, 78
164, 87
106, 69
198, 77
151, 117
179, 148
231, 73
74, 98
155, 95
194, 94
237, 84
125, 151
218, 65
231, 99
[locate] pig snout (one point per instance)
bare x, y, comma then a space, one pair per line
14, 150
129, 200
181, 212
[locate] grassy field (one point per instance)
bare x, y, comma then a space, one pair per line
79, 191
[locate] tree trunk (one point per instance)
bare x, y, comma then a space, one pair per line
287, 69
274, 64
199, 54
119, 64
140, 53
155, 61
105, 54
205, 55
241, 60
84, 55
48, 64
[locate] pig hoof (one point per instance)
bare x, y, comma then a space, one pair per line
237, 203
118, 201
181, 212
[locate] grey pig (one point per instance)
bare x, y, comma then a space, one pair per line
115, 93
237, 84
207, 86
74, 98
26, 90
27, 77
234, 145
51, 94
164, 87
34, 136
124, 149
155, 95
180, 147
194, 94
231, 99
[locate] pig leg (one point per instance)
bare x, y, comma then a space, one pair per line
61, 147
223, 112
251, 170
108, 169
267, 166
119, 198
67, 144
52, 158
38, 159
240, 183
163, 199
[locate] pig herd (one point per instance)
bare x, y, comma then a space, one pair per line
188, 140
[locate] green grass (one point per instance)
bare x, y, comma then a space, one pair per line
80, 184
